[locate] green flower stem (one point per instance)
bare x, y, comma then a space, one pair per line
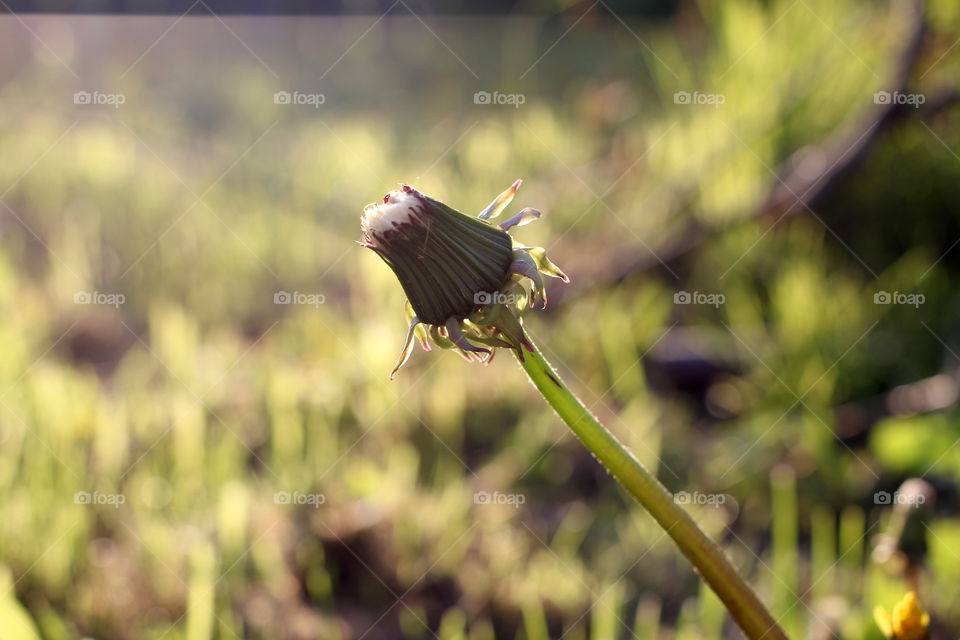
744, 605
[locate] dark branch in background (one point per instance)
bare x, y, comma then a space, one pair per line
803, 182
844, 153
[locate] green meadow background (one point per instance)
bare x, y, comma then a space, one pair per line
183, 457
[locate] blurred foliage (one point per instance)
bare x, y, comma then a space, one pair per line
274, 484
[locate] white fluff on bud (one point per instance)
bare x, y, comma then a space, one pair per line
397, 208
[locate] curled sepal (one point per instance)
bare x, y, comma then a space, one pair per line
526, 216
477, 335
519, 292
437, 335
500, 202
525, 266
439, 339
539, 255
407, 347
510, 327
485, 317
418, 330
456, 336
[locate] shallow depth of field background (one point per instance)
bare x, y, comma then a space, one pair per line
200, 462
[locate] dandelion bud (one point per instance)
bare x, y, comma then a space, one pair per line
467, 282
443, 258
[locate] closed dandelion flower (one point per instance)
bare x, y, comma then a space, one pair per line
467, 281
908, 621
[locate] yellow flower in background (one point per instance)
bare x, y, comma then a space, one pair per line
908, 622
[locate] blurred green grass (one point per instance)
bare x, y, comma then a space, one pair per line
204, 405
